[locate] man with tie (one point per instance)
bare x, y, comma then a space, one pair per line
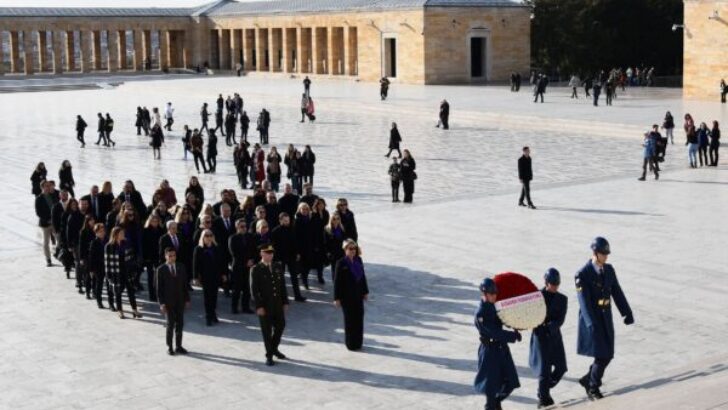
271, 301
596, 287
242, 248
173, 298
224, 227
172, 240
93, 200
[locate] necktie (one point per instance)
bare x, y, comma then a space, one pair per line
96, 207
171, 269
227, 224
174, 242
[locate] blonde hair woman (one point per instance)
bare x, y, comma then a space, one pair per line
207, 268
118, 256
350, 292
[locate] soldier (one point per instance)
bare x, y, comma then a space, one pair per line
596, 286
548, 358
271, 301
497, 376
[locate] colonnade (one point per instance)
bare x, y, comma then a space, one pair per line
314, 50
59, 51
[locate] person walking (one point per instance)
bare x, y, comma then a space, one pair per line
205, 117
691, 140
230, 126
169, 116
271, 302
97, 269
669, 125
525, 175
648, 154
196, 143
65, 176
408, 175
350, 293
109, 127
273, 170
714, 144
241, 246
394, 139
151, 239
547, 357
444, 115
207, 265
146, 120
118, 257
244, 126
40, 174
307, 86
173, 297
139, 122
102, 130
395, 177
703, 142
43, 210
80, 129
308, 165
574, 83
596, 90
497, 376
723, 91
304, 106
283, 238
540, 88
384, 88
596, 287
157, 141
212, 151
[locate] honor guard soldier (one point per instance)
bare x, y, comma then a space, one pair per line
547, 357
271, 301
596, 287
497, 376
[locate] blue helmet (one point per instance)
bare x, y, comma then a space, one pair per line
552, 276
488, 286
600, 245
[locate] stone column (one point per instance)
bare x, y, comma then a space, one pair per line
70, 47
147, 48
14, 52
272, 51
138, 51
28, 52
248, 46
87, 47
42, 51
164, 61
223, 47
2, 54
123, 64
315, 63
287, 61
58, 44
235, 47
97, 50
351, 45
112, 63
333, 49
259, 52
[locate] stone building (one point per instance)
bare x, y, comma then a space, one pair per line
410, 41
705, 60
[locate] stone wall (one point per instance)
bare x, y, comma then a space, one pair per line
705, 59
447, 48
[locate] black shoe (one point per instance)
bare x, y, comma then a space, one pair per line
584, 382
321, 280
215, 320
641, 178
189, 288
112, 308
269, 361
521, 204
80, 290
279, 355
49, 263
88, 296
595, 394
248, 311
181, 350
300, 299
531, 206
208, 322
657, 176
170, 352
545, 402
235, 312
100, 305
305, 283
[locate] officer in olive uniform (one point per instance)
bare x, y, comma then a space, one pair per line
548, 358
271, 301
497, 376
596, 287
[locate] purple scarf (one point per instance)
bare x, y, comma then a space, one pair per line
356, 267
338, 232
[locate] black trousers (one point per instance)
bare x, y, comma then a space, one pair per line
292, 268
653, 166
175, 323
149, 266
198, 158
714, 154
218, 126
574, 93
596, 372
536, 97
98, 284
408, 185
272, 325
525, 192
308, 178
79, 137
108, 138
241, 286
445, 120
124, 283
353, 324
102, 137
244, 133
703, 154
209, 294
549, 376
168, 126
395, 190
204, 126
392, 149
212, 162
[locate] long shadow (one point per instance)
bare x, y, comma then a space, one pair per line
598, 211
695, 182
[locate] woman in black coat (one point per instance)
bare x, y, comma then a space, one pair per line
334, 237
71, 226
304, 228
157, 141
84, 244
207, 268
65, 176
408, 175
39, 175
394, 140
96, 267
139, 123
309, 162
212, 151
350, 292
150, 250
319, 219
118, 256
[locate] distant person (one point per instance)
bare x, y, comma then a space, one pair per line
408, 175
574, 84
101, 129
395, 178
525, 175
169, 115
444, 115
394, 139
384, 88
714, 144
109, 126
669, 125
80, 129
723, 91
307, 86
205, 117
649, 153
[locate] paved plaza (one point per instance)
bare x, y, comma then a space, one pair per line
423, 261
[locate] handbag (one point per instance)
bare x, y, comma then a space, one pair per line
414, 175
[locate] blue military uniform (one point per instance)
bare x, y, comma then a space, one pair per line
497, 376
547, 357
595, 291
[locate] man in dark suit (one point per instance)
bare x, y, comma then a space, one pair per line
101, 129
284, 241
43, 209
131, 195
94, 203
271, 302
173, 298
525, 175
224, 227
242, 249
172, 240
288, 203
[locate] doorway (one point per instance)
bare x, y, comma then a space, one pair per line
390, 57
478, 53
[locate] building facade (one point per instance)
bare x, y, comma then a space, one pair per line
410, 41
705, 61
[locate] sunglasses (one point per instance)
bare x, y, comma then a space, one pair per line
208, 235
